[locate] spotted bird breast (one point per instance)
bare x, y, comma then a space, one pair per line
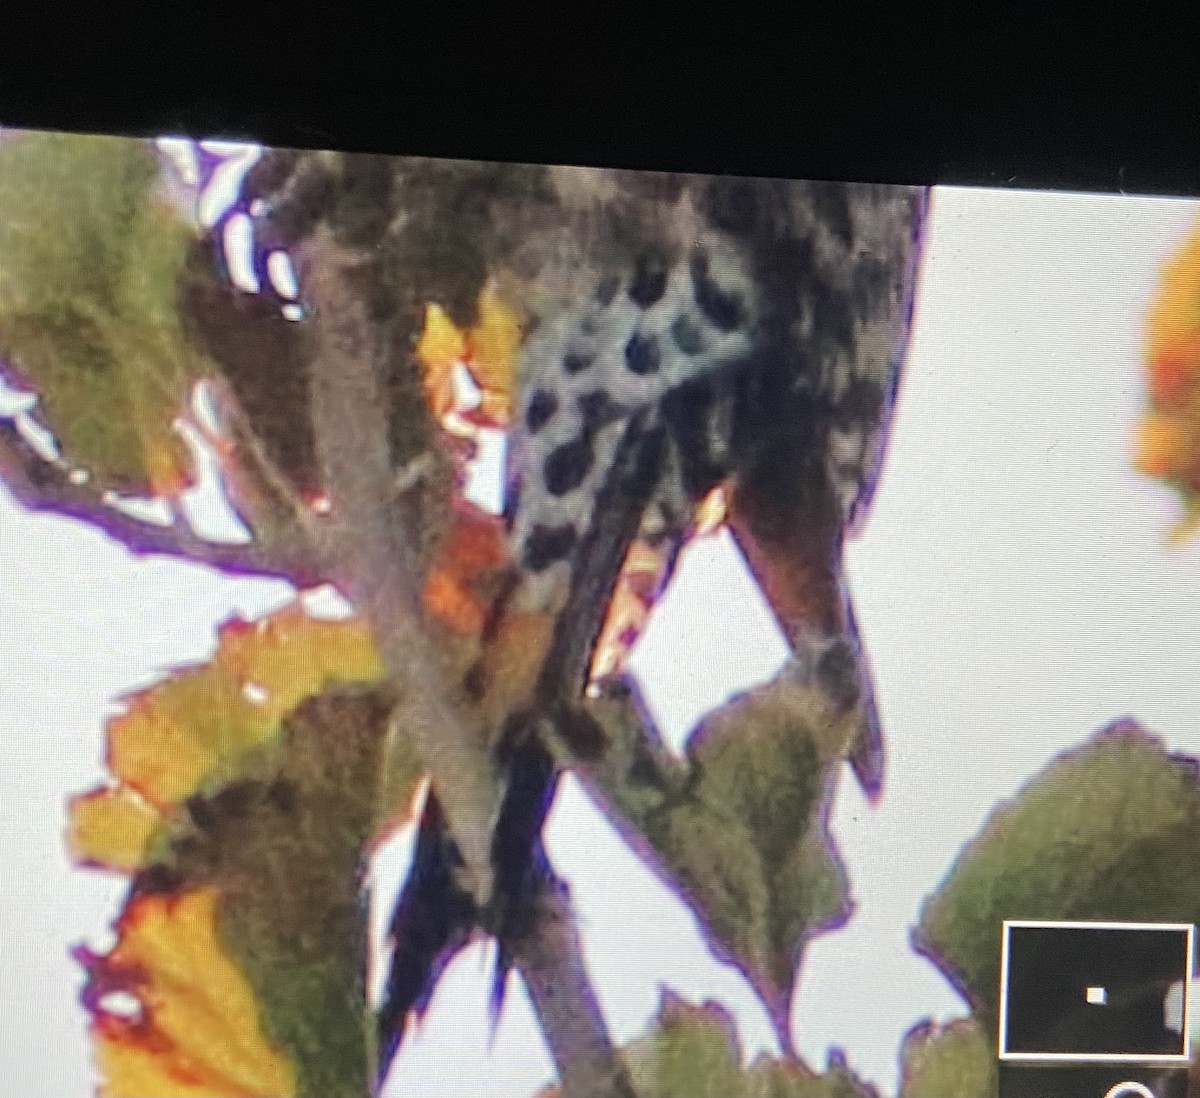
593, 371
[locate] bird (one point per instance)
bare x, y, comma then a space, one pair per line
681, 336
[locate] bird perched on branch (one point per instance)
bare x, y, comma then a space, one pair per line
678, 339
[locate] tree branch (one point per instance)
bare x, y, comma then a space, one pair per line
351, 430
43, 486
551, 963
350, 419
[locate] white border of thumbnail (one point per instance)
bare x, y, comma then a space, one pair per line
1096, 1057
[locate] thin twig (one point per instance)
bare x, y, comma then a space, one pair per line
253, 463
44, 486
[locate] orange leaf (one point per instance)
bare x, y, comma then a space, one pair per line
1163, 447
448, 597
468, 564
1168, 438
1170, 371
1175, 313
196, 1030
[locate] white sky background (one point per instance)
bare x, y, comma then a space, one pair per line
1013, 585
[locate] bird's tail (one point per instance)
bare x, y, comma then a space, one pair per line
434, 918
522, 869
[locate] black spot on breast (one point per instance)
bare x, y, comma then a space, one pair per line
649, 281
547, 545
723, 309
567, 466
607, 290
576, 363
642, 354
687, 335
598, 409
542, 406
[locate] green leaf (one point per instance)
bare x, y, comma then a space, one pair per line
764, 767
89, 259
691, 1051
285, 845
949, 1061
740, 826
69, 202
1109, 831
716, 861
694, 1052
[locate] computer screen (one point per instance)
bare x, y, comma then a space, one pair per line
512, 629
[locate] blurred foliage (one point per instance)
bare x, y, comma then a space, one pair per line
1106, 832
950, 1061
489, 351
262, 355
1168, 440
90, 249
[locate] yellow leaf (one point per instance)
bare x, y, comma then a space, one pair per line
494, 346
441, 347
290, 656
197, 1031
489, 351
175, 734
112, 828
512, 663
